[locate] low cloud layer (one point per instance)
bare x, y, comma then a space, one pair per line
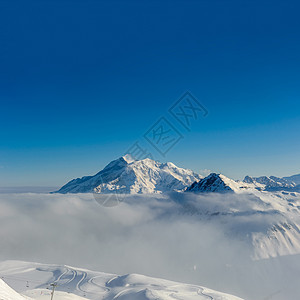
185, 238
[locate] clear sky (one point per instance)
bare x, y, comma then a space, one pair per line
81, 81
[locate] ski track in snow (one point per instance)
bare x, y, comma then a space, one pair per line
121, 293
91, 280
61, 275
81, 280
200, 292
78, 279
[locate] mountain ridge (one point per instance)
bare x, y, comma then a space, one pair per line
273, 183
130, 176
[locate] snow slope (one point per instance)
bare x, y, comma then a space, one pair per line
7, 293
129, 176
33, 280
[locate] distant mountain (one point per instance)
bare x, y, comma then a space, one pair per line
273, 183
129, 176
293, 179
214, 183
219, 183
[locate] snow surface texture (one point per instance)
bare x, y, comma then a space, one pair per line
126, 175
33, 280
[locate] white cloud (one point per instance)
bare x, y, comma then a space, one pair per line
205, 172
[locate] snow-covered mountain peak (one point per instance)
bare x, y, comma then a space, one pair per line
130, 176
128, 158
215, 183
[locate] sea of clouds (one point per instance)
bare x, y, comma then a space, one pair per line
189, 238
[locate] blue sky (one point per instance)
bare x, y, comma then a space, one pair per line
81, 81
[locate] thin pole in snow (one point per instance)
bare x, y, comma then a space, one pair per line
54, 285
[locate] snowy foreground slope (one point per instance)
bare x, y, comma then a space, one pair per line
129, 176
32, 281
7, 293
